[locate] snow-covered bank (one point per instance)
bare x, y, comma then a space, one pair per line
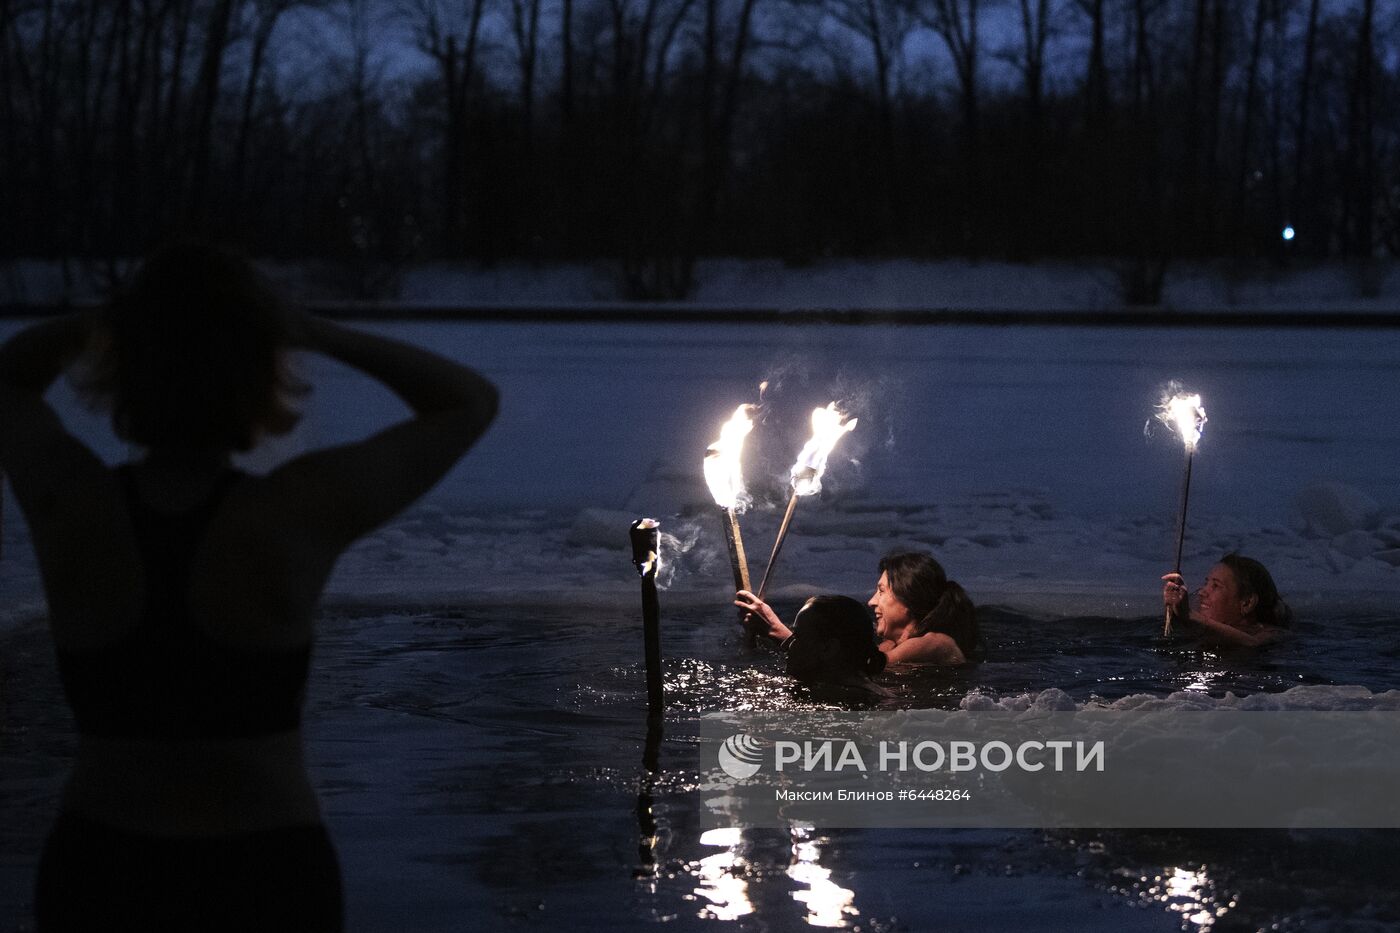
894, 284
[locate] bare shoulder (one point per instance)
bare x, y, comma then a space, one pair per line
932, 648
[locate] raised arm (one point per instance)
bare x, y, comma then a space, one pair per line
33, 358
41, 457
426, 382
349, 490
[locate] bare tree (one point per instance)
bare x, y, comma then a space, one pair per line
525, 30
1360, 183
1306, 92
453, 43
957, 23
882, 27
639, 151
719, 103
1028, 57
1142, 227
266, 14
1096, 95
1250, 109
208, 86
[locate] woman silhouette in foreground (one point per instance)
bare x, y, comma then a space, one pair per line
181, 592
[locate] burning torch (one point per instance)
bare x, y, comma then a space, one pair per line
1184, 415
725, 476
828, 426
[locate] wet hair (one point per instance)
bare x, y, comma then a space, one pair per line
936, 603
833, 636
1253, 579
191, 354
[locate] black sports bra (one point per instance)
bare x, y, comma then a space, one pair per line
167, 679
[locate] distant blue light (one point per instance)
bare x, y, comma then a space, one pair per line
1288, 233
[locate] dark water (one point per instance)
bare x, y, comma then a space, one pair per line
487, 768
1112, 658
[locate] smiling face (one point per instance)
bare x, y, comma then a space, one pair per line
1221, 600
892, 616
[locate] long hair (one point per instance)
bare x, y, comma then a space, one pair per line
833, 635
191, 354
936, 603
1253, 579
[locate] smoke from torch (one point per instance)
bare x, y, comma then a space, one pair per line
1184, 415
829, 425
724, 475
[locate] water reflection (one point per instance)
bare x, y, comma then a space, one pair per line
1200, 681
722, 876
1191, 894
648, 831
828, 904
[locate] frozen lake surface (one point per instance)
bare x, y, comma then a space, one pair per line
474, 723
1016, 454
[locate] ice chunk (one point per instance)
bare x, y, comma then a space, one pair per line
1358, 544
1391, 556
1339, 562
1331, 508
600, 528
1054, 700
671, 489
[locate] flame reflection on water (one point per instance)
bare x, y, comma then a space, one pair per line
1190, 893
828, 904
722, 883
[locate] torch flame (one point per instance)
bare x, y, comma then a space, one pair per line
724, 472
1184, 414
828, 426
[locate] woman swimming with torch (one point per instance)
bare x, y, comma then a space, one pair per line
921, 617
1237, 605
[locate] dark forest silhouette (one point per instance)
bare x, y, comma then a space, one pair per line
658, 131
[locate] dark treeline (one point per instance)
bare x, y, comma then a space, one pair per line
658, 131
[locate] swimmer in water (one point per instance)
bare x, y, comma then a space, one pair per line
832, 645
921, 617
1238, 604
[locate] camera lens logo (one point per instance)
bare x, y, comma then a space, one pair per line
741, 756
